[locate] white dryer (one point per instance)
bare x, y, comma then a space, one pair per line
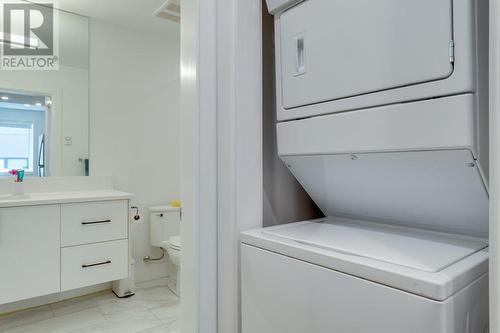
337, 55
383, 119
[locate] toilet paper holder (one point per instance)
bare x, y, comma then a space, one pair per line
137, 216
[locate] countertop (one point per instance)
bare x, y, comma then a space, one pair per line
49, 198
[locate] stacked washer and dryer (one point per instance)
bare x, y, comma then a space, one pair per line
382, 109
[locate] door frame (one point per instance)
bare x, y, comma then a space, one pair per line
240, 159
198, 162
494, 186
221, 155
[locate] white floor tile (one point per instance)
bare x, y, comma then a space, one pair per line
131, 314
129, 305
81, 303
159, 329
63, 324
25, 317
122, 325
153, 309
167, 312
153, 283
157, 294
173, 325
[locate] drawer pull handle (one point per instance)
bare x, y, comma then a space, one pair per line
96, 222
97, 264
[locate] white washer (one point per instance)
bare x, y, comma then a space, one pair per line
349, 276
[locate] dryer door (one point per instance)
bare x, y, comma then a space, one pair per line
334, 49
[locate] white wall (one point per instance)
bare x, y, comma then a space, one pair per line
134, 121
285, 200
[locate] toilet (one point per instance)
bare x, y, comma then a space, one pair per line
165, 234
173, 248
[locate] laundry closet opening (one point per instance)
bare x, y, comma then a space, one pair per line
376, 150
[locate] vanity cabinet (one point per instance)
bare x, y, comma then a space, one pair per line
29, 252
46, 249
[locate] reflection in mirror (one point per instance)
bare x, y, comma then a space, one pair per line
44, 122
23, 122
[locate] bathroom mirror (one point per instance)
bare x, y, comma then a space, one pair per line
44, 112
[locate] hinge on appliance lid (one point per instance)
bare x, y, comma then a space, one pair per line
451, 47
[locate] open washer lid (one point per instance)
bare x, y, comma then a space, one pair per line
427, 263
436, 189
419, 249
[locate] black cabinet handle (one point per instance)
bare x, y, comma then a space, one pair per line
97, 264
96, 222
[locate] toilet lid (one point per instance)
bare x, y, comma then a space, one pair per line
175, 242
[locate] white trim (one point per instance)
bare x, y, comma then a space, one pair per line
239, 37
227, 171
494, 71
198, 167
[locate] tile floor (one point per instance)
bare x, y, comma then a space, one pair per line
153, 309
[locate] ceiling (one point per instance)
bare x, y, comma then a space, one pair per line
137, 14
11, 100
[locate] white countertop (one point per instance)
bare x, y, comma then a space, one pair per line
48, 198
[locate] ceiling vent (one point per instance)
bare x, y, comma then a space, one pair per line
170, 10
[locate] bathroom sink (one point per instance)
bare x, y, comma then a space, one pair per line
5, 197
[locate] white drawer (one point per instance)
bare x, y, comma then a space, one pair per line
92, 264
92, 222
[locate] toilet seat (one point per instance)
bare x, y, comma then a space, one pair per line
175, 243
